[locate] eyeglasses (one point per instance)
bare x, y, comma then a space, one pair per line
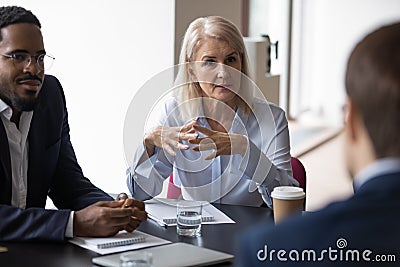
22, 60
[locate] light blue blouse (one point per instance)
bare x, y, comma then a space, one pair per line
228, 179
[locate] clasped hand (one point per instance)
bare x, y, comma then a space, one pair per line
106, 218
169, 138
222, 143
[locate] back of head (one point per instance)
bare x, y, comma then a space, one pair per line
373, 86
14, 14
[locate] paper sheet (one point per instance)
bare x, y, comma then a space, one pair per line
150, 241
162, 206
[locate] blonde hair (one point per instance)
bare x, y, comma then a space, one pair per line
196, 34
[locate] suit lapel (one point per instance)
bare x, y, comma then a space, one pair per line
5, 167
35, 157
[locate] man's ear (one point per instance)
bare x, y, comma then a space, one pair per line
351, 120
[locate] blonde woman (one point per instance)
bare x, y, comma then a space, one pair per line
221, 143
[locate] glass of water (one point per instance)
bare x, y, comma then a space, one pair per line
188, 218
136, 259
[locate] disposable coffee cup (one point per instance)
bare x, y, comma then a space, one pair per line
287, 200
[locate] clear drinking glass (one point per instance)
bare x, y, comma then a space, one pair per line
188, 218
136, 259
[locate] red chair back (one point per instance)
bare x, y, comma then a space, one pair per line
299, 172
173, 191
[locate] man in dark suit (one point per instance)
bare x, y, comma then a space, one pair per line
364, 229
36, 156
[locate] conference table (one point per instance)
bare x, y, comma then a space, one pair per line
221, 237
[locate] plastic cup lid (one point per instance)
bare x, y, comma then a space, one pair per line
288, 192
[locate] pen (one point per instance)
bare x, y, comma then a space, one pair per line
161, 223
127, 203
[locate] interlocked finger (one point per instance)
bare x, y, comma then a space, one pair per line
206, 144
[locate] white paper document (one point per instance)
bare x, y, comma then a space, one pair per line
120, 242
163, 211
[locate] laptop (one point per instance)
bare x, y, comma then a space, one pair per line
173, 255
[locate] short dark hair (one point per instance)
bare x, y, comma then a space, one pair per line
15, 14
373, 86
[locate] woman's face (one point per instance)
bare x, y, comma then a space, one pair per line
218, 70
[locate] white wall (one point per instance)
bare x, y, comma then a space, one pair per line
105, 50
324, 34
272, 17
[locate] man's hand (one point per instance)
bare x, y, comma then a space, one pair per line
106, 218
138, 213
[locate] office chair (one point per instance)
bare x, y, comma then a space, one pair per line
299, 173
173, 191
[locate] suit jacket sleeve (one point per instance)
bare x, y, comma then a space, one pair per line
52, 170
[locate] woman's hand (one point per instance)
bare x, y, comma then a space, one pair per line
168, 138
223, 143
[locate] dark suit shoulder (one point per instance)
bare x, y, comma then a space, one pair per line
366, 221
51, 109
52, 92
388, 183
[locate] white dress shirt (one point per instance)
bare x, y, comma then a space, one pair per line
18, 143
19, 147
227, 179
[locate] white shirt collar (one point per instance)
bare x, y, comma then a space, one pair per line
5, 110
377, 168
